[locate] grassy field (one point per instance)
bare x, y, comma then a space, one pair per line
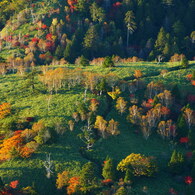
65, 151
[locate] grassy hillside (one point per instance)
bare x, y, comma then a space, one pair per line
65, 150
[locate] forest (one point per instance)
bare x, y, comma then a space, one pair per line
40, 31
97, 97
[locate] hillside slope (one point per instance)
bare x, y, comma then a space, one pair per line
44, 30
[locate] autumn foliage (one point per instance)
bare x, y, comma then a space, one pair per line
15, 146
140, 164
5, 109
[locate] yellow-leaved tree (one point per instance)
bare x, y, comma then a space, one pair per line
138, 164
101, 125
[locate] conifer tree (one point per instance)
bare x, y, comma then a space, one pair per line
108, 171
88, 180
176, 163
182, 128
59, 52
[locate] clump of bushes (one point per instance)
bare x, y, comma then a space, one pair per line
108, 62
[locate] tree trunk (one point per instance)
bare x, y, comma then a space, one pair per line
127, 38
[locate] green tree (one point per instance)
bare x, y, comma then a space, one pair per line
82, 7
91, 40
88, 180
97, 13
84, 61
109, 171
108, 62
58, 52
161, 41
130, 23
182, 127
128, 176
184, 62
176, 163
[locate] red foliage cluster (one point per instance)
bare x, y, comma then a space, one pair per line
193, 82
184, 140
49, 45
17, 132
35, 40
117, 4
42, 56
14, 184
188, 180
49, 36
94, 101
72, 4
26, 36
44, 26
107, 181
165, 110
189, 76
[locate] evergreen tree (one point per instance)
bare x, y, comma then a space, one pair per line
59, 52
156, 100
193, 75
91, 40
97, 13
176, 163
67, 52
128, 176
109, 170
88, 180
130, 23
161, 41
182, 127
184, 62
84, 61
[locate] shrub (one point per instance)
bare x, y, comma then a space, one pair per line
184, 62
82, 61
108, 62
176, 58
97, 61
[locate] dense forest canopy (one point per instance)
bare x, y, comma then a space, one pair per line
39, 31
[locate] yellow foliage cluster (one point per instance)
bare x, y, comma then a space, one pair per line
140, 165
5, 109
114, 94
